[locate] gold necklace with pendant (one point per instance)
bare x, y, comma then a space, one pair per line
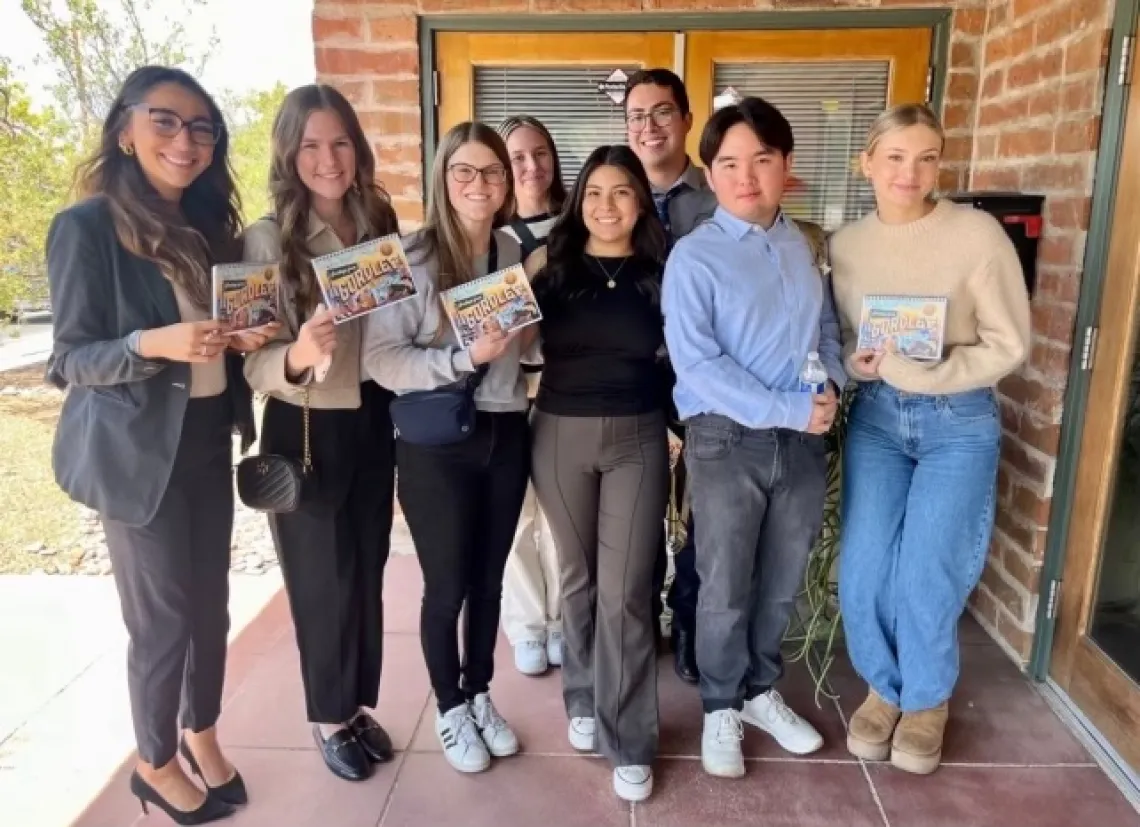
610, 277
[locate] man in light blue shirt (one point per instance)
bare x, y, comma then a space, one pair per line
744, 306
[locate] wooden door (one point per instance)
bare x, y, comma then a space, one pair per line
1096, 647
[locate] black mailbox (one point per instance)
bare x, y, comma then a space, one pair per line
1020, 214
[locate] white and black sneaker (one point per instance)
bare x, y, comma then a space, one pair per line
459, 737
498, 737
633, 782
583, 734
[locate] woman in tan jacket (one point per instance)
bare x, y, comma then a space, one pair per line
333, 548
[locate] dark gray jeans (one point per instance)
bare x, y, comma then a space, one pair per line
757, 496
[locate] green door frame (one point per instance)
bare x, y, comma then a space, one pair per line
1088, 315
938, 20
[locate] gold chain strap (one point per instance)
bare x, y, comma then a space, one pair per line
307, 457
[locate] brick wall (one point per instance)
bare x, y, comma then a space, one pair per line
1036, 127
1021, 109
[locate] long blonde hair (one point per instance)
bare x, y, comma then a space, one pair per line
292, 199
443, 237
902, 116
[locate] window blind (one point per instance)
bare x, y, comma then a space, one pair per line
565, 98
830, 105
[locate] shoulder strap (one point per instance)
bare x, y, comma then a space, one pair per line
526, 237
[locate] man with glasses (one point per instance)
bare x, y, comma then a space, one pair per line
658, 121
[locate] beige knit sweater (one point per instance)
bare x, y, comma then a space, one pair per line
955, 251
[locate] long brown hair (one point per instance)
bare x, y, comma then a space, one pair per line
443, 237
291, 198
184, 247
557, 193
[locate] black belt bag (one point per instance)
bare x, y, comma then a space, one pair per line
443, 416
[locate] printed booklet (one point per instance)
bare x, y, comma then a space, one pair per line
501, 301
916, 324
246, 295
364, 278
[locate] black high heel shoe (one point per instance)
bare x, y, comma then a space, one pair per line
212, 809
232, 792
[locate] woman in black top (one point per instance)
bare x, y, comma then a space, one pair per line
600, 461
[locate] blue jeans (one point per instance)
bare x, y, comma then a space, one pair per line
758, 498
919, 482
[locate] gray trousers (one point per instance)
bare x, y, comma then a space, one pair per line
757, 496
603, 483
172, 575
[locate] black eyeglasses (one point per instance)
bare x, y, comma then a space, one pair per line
465, 173
661, 116
168, 124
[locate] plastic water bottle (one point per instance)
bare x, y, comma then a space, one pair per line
813, 377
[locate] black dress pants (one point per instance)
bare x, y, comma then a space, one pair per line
333, 548
172, 575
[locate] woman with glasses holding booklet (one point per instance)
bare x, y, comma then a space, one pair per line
463, 445
334, 544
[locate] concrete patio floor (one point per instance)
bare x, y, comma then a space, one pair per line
1009, 762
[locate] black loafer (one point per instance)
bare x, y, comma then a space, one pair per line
343, 754
233, 792
372, 738
685, 656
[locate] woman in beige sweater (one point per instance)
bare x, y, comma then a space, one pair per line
924, 431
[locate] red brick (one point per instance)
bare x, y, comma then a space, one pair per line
951, 179
1056, 175
1044, 101
1079, 95
1001, 114
1091, 13
409, 209
401, 184
1054, 26
985, 605
1007, 595
1032, 395
337, 29
1018, 639
1056, 248
1022, 568
336, 61
687, 5
586, 5
1068, 213
1012, 44
1043, 436
1058, 284
996, 178
1088, 54
378, 124
395, 91
1035, 68
997, 16
355, 90
970, 21
1025, 143
956, 115
1049, 360
993, 84
482, 7
957, 149
401, 155
1052, 321
1010, 418
963, 55
1081, 135
1024, 8
400, 29
985, 148
962, 85
1014, 532
1028, 464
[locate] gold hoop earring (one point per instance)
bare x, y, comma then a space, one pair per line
127, 149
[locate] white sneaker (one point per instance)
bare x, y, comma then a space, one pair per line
583, 734
462, 746
769, 713
530, 657
498, 737
554, 648
720, 744
633, 783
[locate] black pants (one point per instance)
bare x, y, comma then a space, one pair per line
462, 503
334, 547
172, 575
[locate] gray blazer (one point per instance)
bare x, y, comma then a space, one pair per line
121, 421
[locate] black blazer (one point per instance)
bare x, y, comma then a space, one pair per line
121, 421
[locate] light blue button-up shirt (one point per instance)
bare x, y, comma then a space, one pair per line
743, 308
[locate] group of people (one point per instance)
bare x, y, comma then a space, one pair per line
673, 297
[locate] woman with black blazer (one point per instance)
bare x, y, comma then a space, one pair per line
155, 392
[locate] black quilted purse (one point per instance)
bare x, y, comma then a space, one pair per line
276, 483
